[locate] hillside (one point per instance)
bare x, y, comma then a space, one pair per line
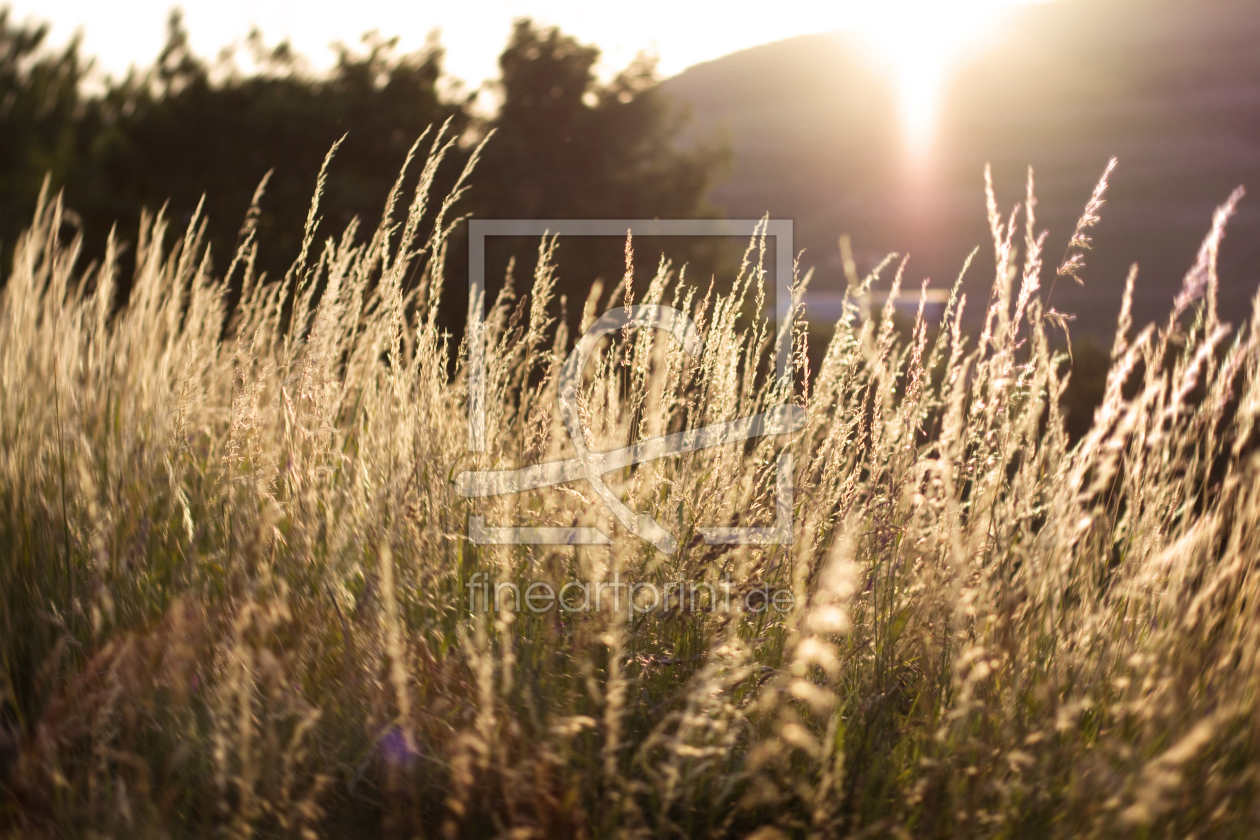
1172, 89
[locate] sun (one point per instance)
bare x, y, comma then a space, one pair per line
921, 41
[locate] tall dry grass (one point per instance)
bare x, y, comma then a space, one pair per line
235, 603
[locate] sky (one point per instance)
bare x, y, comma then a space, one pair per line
916, 39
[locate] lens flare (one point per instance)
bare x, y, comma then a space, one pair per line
921, 42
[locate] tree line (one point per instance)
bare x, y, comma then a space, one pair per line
187, 130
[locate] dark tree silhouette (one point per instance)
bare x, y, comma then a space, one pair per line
564, 145
568, 146
44, 120
177, 132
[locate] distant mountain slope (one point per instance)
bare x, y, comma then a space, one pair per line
1171, 88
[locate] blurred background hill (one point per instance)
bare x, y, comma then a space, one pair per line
1170, 88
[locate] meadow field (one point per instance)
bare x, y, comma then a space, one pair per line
238, 597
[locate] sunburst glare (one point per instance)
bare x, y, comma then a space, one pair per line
921, 42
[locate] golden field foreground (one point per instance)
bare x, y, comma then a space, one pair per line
234, 576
